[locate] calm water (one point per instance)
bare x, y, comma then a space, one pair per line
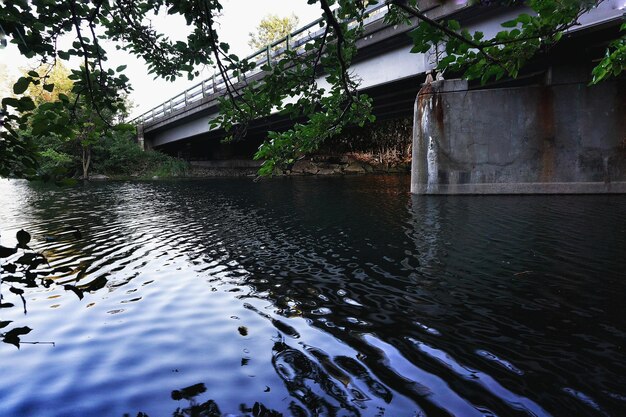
318, 297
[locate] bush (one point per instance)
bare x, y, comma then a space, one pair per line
119, 155
53, 163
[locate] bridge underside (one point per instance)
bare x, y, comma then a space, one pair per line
570, 62
391, 101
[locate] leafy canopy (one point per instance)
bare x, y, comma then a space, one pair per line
291, 82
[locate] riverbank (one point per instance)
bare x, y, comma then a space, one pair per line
383, 147
348, 164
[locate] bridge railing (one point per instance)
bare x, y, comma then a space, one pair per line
216, 84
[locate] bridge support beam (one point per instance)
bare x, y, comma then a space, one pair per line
140, 138
561, 138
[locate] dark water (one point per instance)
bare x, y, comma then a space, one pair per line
319, 297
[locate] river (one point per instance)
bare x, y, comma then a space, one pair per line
316, 297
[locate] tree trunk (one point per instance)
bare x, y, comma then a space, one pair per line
86, 161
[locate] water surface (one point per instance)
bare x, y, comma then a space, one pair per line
318, 297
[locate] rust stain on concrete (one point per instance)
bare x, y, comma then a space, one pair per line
423, 97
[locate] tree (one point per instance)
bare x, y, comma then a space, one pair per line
271, 29
322, 111
63, 126
58, 83
67, 131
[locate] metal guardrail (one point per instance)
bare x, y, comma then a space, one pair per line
216, 83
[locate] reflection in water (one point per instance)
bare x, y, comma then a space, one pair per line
321, 297
208, 408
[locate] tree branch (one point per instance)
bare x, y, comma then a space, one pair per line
332, 21
451, 33
319, 53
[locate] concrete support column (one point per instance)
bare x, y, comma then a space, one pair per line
564, 138
140, 138
429, 139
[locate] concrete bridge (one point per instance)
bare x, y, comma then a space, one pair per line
392, 76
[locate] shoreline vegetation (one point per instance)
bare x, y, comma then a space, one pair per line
114, 156
381, 148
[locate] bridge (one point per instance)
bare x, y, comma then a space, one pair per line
389, 73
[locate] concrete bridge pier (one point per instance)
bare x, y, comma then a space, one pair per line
140, 137
561, 138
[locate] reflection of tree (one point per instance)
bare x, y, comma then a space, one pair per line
22, 268
209, 408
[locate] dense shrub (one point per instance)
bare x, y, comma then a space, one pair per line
115, 155
119, 155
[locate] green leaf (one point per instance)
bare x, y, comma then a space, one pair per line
49, 87
454, 25
509, 24
21, 85
446, 61
27, 104
10, 102
121, 68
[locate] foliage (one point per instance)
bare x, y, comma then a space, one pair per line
119, 155
115, 154
74, 128
505, 53
55, 164
64, 125
291, 84
271, 29
614, 61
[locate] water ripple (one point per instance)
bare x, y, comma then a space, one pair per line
338, 297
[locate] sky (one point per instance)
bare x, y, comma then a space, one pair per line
239, 18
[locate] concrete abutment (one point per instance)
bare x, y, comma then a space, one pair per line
563, 138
